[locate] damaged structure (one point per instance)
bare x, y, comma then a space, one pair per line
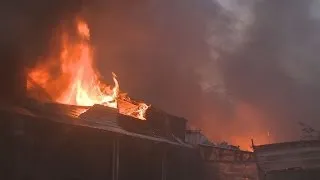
223, 161
54, 141
46, 140
289, 160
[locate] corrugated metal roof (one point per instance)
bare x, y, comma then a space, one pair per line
98, 117
289, 155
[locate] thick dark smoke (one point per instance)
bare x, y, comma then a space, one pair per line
154, 47
260, 57
25, 32
161, 53
276, 71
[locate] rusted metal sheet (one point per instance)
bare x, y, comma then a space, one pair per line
218, 154
303, 155
225, 163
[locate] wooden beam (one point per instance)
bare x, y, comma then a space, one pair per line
115, 159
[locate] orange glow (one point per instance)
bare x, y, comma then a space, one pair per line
254, 125
247, 123
78, 82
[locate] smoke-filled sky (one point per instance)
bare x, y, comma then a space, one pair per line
154, 47
276, 70
29, 25
235, 68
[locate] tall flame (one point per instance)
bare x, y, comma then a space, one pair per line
78, 83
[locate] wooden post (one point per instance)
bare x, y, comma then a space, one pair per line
115, 159
261, 173
20, 150
164, 165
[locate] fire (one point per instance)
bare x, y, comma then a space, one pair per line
78, 82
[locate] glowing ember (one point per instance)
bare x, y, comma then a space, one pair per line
77, 82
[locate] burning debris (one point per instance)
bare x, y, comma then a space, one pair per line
78, 82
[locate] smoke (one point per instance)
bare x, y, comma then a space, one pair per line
26, 29
236, 69
154, 47
275, 71
169, 54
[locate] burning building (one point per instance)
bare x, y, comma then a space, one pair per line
77, 81
59, 120
55, 141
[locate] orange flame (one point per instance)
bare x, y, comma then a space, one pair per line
78, 83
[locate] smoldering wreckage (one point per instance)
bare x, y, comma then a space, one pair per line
74, 126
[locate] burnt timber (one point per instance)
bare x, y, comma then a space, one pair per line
53, 141
289, 160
